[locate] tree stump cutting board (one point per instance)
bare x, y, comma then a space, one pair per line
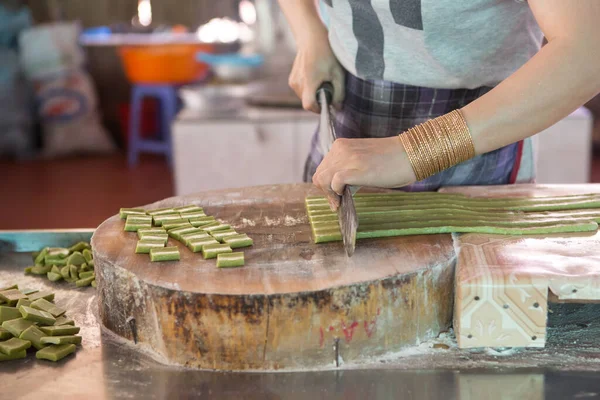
295, 305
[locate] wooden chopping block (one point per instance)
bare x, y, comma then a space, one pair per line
295, 305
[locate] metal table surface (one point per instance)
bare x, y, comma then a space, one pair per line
107, 367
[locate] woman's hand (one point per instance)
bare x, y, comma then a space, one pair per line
314, 64
379, 163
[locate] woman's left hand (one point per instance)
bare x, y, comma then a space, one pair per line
379, 163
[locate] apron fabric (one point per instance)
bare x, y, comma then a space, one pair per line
377, 109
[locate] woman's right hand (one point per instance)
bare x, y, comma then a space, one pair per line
314, 64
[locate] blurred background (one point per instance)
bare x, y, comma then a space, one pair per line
120, 103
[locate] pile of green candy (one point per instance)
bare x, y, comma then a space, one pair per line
29, 318
74, 264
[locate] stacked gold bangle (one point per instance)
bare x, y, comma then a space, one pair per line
438, 144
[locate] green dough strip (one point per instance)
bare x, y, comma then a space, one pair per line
61, 340
17, 326
221, 235
212, 250
196, 245
189, 237
125, 212
64, 320
215, 226
230, 260
42, 317
163, 237
150, 231
144, 246
49, 261
177, 223
8, 313
60, 330
238, 241
81, 246
176, 233
45, 305
86, 274
16, 356
187, 209
4, 334
55, 352
161, 211
161, 219
139, 219
34, 335
202, 221
134, 227
39, 295
85, 281
192, 215
165, 254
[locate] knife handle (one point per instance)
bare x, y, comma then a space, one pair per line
327, 87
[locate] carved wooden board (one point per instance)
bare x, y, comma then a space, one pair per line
294, 305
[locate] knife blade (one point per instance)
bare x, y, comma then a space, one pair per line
347, 217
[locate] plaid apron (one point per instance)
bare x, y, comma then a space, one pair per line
377, 109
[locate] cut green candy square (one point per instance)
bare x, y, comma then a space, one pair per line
54, 277
61, 339
221, 235
44, 269
85, 281
192, 214
125, 212
64, 320
21, 302
81, 246
42, 317
87, 254
144, 246
161, 211
12, 296
86, 274
14, 345
55, 352
16, 356
65, 272
212, 250
230, 260
215, 226
196, 245
165, 254
73, 272
189, 208
4, 334
17, 326
161, 219
76, 259
238, 241
8, 313
41, 295
175, 223
60, 330
34, 335
45, 305
202, 221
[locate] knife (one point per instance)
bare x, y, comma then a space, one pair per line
346, 212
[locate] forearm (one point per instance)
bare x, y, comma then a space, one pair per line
303, 18
560, 78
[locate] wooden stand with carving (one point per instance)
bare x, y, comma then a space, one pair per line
295, 305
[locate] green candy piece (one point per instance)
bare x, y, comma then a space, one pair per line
58, 252
86, 274
34, 335
165, 254
230, 260
64, 320
49, 261
192, 214
85, 281
190, 237
163, 237
45, 305
73, 272
22, 302
8, 313
31, 314
43, 269
11, 287
65, 272
60, 330
28, 292
215, 226
188, 208
76, 259
94, 283
161, 211
28, 270
14, 345
54, 277
42, 295
12, 296
177, 233
4, 334
221, 235
17, 326
212, 250
18, 355
202, 221
145, 246
238, 241
61, 339
125, 212
91, 264
150, 231
139, 219
34, 255
83, 268
134, 227
81, 246
196, 245
55, 269
41, 256
161, 219
55, 352
87, 254
175, 223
